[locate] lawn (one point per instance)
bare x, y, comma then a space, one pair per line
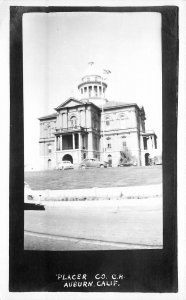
79, 179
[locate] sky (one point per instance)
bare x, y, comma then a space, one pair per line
57, 48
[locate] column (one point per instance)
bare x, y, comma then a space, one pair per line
148, 143
153, 145
80, 140
59, 142
61, 147
61, 120
55, 143
73, 141
79, 118
57, 121
90, 144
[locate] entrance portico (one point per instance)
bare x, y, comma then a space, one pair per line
73, 142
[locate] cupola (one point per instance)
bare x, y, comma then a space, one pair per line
93, 86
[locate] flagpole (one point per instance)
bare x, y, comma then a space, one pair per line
103, 119
104, 72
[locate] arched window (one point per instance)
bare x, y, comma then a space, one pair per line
49, 148
107, 120
73, 121
48, 129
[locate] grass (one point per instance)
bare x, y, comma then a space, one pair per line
79, 179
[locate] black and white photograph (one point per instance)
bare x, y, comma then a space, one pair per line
93, 149
92, 131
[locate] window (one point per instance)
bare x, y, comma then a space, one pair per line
49, 130
145, 143
49, 163
49, 148
96, 90
122, 117
73, 121
95, 123
107, 121
90, 90
109, 146
124, 145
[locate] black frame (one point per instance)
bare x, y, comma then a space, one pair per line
145, 270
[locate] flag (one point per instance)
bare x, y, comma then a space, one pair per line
106, 71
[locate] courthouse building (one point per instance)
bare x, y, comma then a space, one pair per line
93, 127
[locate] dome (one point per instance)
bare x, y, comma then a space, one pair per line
92, 69
92, 85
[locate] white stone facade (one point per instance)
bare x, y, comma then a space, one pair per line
95, 127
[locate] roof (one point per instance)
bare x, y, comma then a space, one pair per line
52, 116
77, 101
112, 104
107, 105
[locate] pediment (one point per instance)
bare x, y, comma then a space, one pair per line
70, 103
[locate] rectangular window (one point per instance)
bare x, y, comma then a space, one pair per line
145, 143
109, 145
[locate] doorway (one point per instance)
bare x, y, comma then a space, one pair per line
49, 163
110, 160
68, 157
147, 160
